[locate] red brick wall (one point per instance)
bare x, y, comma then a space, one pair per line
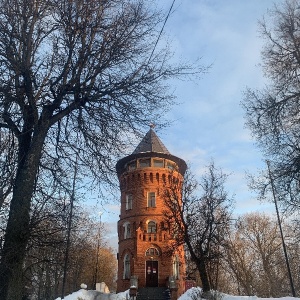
139, 182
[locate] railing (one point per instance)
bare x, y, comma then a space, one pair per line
152, 237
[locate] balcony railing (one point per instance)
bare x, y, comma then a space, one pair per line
152, 237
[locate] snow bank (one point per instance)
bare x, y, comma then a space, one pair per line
190, 292
94, 295
229, 297
193, 292
188, 295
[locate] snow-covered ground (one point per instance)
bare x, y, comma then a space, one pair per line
92, 295
188, 295
191, 294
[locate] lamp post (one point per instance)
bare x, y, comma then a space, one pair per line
98, 248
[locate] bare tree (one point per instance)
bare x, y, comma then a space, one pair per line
45, 255
74, 75
8, 161
273, 113
199, 214
255, 259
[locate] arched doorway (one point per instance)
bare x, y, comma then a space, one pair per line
152, 267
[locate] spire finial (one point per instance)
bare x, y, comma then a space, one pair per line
152, 125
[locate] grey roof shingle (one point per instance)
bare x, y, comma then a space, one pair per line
151, 143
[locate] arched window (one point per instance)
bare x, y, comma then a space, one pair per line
152, 252
151, 227
126, 274
176, 267
127, 230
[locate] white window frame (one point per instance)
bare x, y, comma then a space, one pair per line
151, 201
158, 163
128, 203
126, 273
145, 163
127, 230
176, 265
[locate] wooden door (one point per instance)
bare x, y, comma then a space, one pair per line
151, 273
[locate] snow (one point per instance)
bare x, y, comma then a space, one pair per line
188, 295
220, 296
92, 295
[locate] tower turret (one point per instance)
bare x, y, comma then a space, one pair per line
144, 235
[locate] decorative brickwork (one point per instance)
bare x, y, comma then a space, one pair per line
144, 237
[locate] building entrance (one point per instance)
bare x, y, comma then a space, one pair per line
151, 273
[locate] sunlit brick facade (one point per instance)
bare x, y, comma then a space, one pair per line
144, 236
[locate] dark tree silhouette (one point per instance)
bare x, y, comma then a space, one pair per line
77, 80
273, 113
199, 214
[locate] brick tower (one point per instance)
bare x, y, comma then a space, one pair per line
144, 236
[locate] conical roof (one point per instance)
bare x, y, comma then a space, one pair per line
151, 143
150, 146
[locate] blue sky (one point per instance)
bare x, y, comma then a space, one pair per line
209, 122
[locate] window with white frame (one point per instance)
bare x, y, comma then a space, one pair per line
145, 163
176, 267
151, 227
127, 230
126, 274
151, 199
128, 201
171, 165
159, 163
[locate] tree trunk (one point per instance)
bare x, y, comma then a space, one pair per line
18, 225
201, 266
200, 263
